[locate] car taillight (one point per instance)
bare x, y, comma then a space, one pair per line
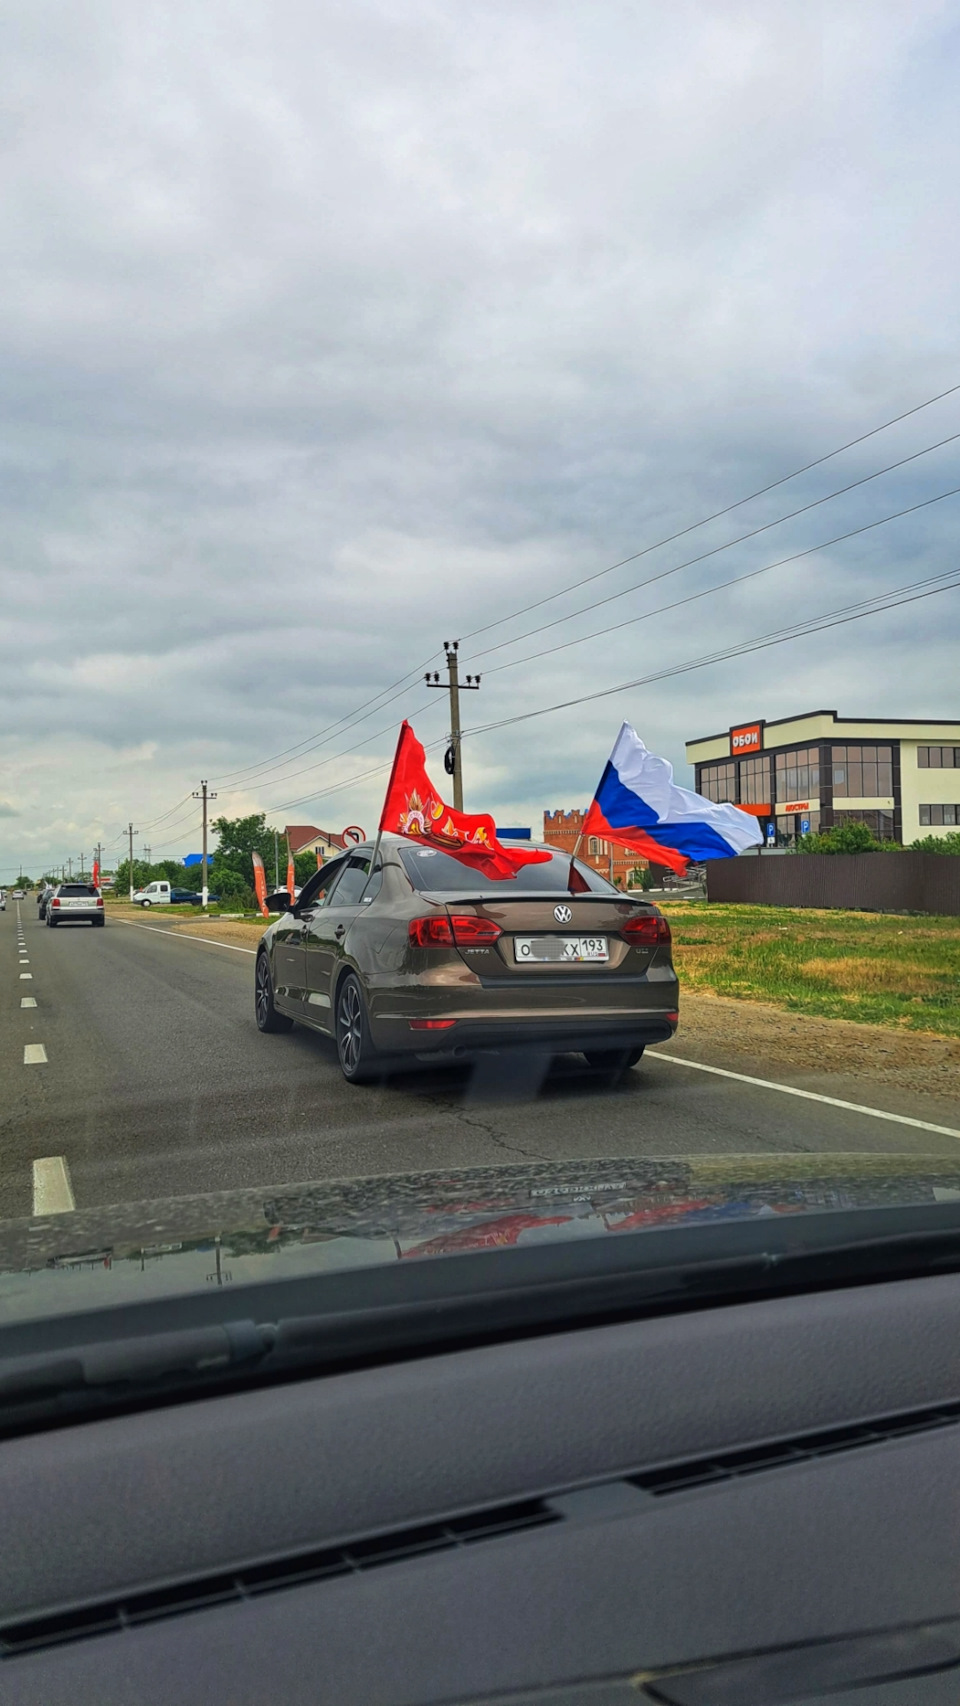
647, 931
99, 899
433, 932
469, 930
432, 1024
55, 901
461, 930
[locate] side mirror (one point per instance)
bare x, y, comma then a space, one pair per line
279, 902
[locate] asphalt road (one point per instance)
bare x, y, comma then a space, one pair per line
140, 1073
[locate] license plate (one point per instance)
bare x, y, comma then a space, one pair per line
556, 950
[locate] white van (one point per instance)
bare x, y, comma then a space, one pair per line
155, 894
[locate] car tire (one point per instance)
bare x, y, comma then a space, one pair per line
358, 1058
613, 1060
145, 905
100, 922
51, 921
268, 1018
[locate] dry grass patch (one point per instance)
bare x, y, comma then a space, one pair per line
895, 978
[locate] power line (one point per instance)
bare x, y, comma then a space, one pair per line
722, 586
367, 741
716, 516
401, 684
812, 625
664, 574
251, 772
908, 594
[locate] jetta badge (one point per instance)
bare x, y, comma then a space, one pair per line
562, 914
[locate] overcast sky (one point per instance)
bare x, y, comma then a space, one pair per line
329, 332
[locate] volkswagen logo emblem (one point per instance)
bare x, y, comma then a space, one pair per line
562, 914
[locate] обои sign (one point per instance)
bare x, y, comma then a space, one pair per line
746, 739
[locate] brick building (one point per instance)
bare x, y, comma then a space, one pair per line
561, 829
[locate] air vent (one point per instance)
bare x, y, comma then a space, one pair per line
132, 1610
801, 1448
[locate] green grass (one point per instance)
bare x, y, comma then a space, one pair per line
880, 969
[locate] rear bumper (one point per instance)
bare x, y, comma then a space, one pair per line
551, 1035
80, 915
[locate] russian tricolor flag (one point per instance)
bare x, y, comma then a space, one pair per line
639, 805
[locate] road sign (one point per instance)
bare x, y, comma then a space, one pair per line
804, 826
771, 834
353, 835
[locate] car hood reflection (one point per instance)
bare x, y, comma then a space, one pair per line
140, 1250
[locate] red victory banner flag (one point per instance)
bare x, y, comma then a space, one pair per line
291, 875
260, 883
414, 808
96, 873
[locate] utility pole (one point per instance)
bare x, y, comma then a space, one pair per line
452, 762
81, 867
204, 794
69, 868
146, 853
131, 832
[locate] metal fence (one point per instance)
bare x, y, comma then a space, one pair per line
864, 882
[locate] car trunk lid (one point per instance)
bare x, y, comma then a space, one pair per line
550, 935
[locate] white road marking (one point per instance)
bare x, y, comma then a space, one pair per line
34, 1054
28, 1001
52, 1190
811, 1096
26, 977
180, 936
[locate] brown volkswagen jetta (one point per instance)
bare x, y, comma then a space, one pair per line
421, 959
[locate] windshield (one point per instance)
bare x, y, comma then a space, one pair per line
480, 752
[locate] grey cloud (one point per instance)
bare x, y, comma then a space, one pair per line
329, 332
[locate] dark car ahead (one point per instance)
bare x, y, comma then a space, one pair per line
423, 959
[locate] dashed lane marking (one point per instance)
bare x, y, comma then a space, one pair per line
52, 1190
26, 977
180, 936
34, 1054
28, 1001
810, 1096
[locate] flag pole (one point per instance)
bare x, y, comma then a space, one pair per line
376, 846
576, 849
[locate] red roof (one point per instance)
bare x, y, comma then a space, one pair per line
305, 834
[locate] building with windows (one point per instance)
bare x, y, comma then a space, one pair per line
802, 774
564, 829
305, 838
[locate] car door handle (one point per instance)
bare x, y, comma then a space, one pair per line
339, 931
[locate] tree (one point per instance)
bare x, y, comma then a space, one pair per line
239, 839
949, 843
842, 838
304, 867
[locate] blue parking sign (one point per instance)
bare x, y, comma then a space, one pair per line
804, 826
771, 833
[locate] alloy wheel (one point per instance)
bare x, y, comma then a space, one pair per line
263, 991
350, 1027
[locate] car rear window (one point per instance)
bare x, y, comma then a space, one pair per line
433, 872
76, 889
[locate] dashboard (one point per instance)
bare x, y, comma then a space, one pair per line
733, 1506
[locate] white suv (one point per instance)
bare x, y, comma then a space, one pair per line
75, 901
